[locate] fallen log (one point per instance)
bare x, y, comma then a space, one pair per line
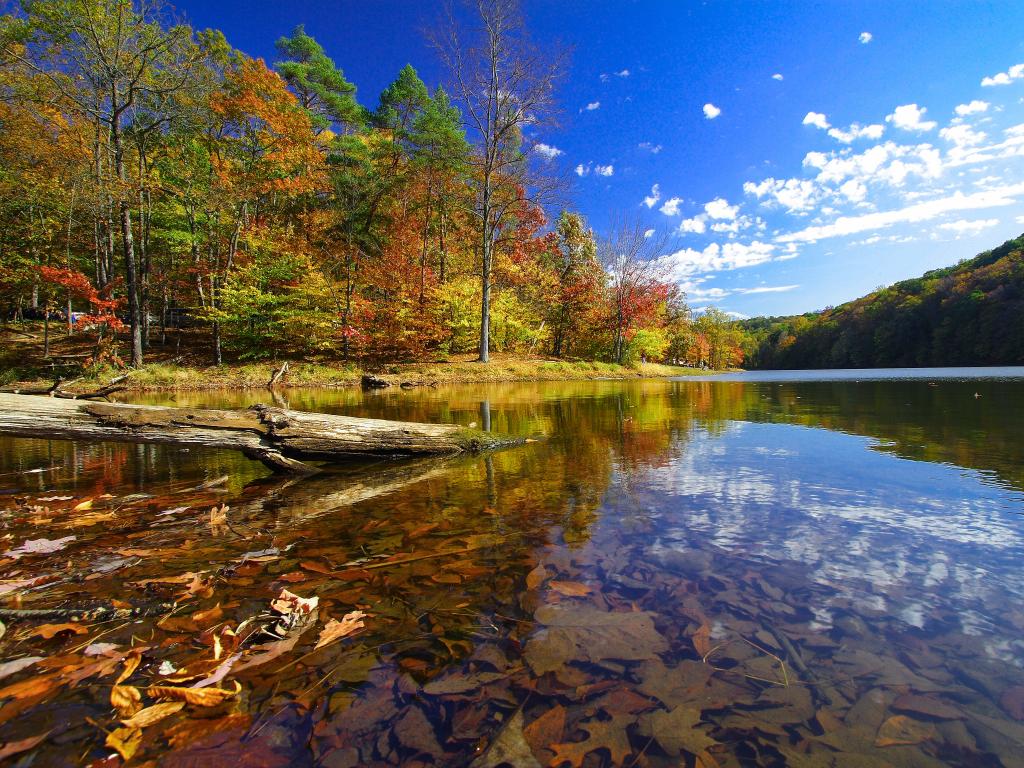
280, 438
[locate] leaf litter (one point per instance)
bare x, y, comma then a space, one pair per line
410, 634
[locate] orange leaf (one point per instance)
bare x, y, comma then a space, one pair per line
126, 699
47, 631
335, 630
570, 588
702, 640
200, 697
153, 714
536, 577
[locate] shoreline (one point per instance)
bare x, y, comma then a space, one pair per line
172, 377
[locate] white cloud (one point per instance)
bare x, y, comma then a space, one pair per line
864, 38
817, 119
964, 227
908, 117
972, 107
887, 163
711, 111
796, 195
1016, 72
547, 151
719, 208
854, 190
963, 135
623, 73
671, 207
851, 225
685, 263
769, 289
652, 148
857, 131
592, 106
694, 226
777, 76
604, 170
648, 233
582, 170
654, 197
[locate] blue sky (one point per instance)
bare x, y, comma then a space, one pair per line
798, 154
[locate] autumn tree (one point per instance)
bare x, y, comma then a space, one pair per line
108, 57
505, 84
637, 279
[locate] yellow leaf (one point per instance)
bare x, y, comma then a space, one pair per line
126, 699
335, 630
131, 663
153, 714
87, 504
126, 741
200, 697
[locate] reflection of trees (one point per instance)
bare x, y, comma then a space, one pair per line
925, 421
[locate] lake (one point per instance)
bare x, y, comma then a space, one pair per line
756, 570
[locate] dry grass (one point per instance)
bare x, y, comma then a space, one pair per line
21, 364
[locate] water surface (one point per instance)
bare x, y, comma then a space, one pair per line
731, 572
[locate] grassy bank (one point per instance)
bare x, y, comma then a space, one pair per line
22, 365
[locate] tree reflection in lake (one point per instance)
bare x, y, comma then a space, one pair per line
704, 573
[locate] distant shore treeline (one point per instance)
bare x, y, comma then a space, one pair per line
968, 314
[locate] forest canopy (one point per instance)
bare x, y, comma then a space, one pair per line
968, 314
153, 178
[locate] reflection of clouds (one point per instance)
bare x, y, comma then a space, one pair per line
887, 534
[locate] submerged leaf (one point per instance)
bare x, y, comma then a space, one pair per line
200, 697
153, 714
126, 741
336, 630
583, 633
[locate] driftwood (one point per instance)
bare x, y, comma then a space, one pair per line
279, 438
277, 374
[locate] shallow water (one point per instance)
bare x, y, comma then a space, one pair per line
731, 573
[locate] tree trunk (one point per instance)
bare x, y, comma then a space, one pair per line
128, 247
279, 438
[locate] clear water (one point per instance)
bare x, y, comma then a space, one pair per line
731, 572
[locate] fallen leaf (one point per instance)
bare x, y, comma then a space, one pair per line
607, 735
12, 748
125, 741
583, 633
200, 697
47, 631
415, 732
901, 730
8, 668
536, 577
547, 729
676, 731
702, 640
126, 699
153, 714
335, 630
39, 547
288, 603
1012, 701
925, 705
570, 588
509, 748
87, 504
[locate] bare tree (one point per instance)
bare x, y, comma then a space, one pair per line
505, 86
633, 259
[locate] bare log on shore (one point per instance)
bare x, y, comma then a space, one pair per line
280, 438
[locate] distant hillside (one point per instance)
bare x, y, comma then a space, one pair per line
968, 314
